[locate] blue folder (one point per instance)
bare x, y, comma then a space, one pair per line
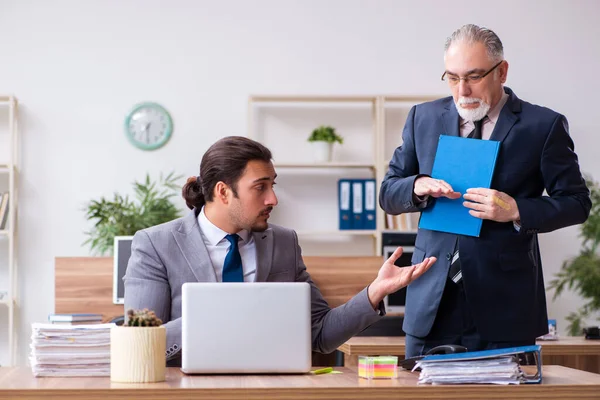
358, 203
369, 221
463, 163
345, 204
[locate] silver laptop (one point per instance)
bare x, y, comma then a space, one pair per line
246, 328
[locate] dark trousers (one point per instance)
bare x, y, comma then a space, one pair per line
454, 325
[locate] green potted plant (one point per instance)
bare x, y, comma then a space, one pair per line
323, 139
137, 349
582, 272
122, 216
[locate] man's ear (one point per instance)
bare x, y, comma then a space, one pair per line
503, 71
222, 192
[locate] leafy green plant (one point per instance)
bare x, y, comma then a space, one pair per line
143, 317
325, 134
583, 271
122, 216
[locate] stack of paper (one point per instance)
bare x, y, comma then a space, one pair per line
499, 366
503, 370
70, 350
74, 319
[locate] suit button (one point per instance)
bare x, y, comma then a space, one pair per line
449, 256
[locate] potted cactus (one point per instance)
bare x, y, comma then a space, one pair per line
137, 349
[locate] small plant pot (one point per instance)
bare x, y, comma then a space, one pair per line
137, 354
322, 151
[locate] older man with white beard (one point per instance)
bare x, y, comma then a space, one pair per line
490, 294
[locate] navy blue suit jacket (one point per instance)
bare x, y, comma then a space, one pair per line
502, 269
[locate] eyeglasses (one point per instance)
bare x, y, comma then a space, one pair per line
454, 80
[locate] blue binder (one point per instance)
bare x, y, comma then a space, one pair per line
345, 203
369, 221
463, 163
358, 201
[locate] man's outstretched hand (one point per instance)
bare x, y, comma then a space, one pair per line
392, 278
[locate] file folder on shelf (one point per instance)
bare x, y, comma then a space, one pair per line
487, 366
345, 203
463, 163
370, 204
358, 198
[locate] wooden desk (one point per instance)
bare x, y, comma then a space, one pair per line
559, 383
573, 352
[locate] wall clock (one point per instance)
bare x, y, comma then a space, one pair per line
148, 126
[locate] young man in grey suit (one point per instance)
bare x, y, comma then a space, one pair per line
488, 292
226, 238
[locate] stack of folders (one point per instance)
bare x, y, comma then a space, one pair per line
70, 350
357, 202
502, 367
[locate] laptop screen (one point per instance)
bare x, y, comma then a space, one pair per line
122, 252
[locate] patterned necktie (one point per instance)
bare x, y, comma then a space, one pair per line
455, 272
232, 267
476, 133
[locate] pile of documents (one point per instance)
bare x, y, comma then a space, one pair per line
501, 370
499, 366
75, 319
70, 350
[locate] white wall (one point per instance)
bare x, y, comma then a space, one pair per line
77, 67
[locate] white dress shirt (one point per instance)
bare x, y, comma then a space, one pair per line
218, 246
487, 127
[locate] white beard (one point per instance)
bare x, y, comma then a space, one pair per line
474, 114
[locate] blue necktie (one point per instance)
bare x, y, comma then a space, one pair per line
232, 267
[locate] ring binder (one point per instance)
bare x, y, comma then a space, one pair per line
487, 366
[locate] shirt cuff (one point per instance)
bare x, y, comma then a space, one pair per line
517, 225
381, 309
420, 201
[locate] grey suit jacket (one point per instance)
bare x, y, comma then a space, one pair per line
166, 256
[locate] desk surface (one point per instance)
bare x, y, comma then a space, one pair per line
394, 345
559, 383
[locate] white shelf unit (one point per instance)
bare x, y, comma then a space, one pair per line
10, 167
378, 140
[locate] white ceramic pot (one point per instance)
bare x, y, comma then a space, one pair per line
322, 151
137, 354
